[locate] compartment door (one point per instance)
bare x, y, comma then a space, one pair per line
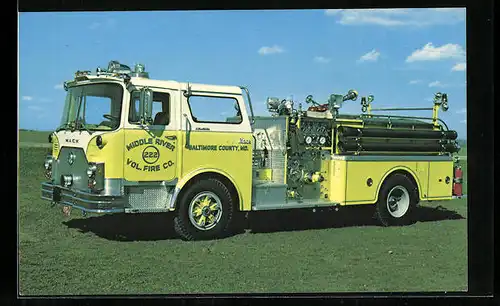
440, 179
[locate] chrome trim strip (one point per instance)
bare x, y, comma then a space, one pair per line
150, 183
145, 210
174, 198
392, 158
293, 205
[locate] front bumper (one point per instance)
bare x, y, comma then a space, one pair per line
85, 201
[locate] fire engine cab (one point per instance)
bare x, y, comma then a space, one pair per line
131, 144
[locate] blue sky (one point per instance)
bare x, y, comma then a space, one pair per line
401, 56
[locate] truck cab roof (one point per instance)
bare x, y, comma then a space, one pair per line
170, 84
195, 87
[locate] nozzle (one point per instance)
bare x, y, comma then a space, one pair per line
351, 95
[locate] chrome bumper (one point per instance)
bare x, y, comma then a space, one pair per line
87, 202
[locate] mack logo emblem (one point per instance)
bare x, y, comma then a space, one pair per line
71, 158
244, 141
72, 140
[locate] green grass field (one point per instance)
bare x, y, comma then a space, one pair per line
33, 136
296, 251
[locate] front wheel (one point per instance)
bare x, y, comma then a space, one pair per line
397, 201
205, 211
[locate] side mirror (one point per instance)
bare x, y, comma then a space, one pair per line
146, 105
444, 104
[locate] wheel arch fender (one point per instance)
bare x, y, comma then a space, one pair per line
401, 170
195, 175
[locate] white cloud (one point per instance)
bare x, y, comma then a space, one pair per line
415, 82
436, 84
459, 67
431, 53
370, 56
35, 108
58, 86
321, 59
462, 111
27, 98
398, 17
270, 50
464, 121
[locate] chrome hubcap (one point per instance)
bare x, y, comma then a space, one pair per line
205, 210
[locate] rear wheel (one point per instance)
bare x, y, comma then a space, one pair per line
397, 201
205, 211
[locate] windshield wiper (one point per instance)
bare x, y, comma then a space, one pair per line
84, 127
77, 121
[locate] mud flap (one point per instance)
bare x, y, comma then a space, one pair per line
56, 194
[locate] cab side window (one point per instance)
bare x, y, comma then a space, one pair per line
161, 108
134, 112
214, 109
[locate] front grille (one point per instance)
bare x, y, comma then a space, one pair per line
78, 169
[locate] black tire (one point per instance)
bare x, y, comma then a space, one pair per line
183, 225
397, 182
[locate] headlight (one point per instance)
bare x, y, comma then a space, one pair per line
95, 173
91, 169
48, 163
48, 166
93, 177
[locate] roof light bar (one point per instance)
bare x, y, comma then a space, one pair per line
115, 69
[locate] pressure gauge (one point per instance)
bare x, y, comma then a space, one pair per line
322, 140
309, 140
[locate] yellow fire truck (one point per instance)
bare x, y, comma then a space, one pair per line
131, 144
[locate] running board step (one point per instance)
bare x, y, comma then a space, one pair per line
290, 204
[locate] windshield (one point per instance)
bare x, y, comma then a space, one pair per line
93, 107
